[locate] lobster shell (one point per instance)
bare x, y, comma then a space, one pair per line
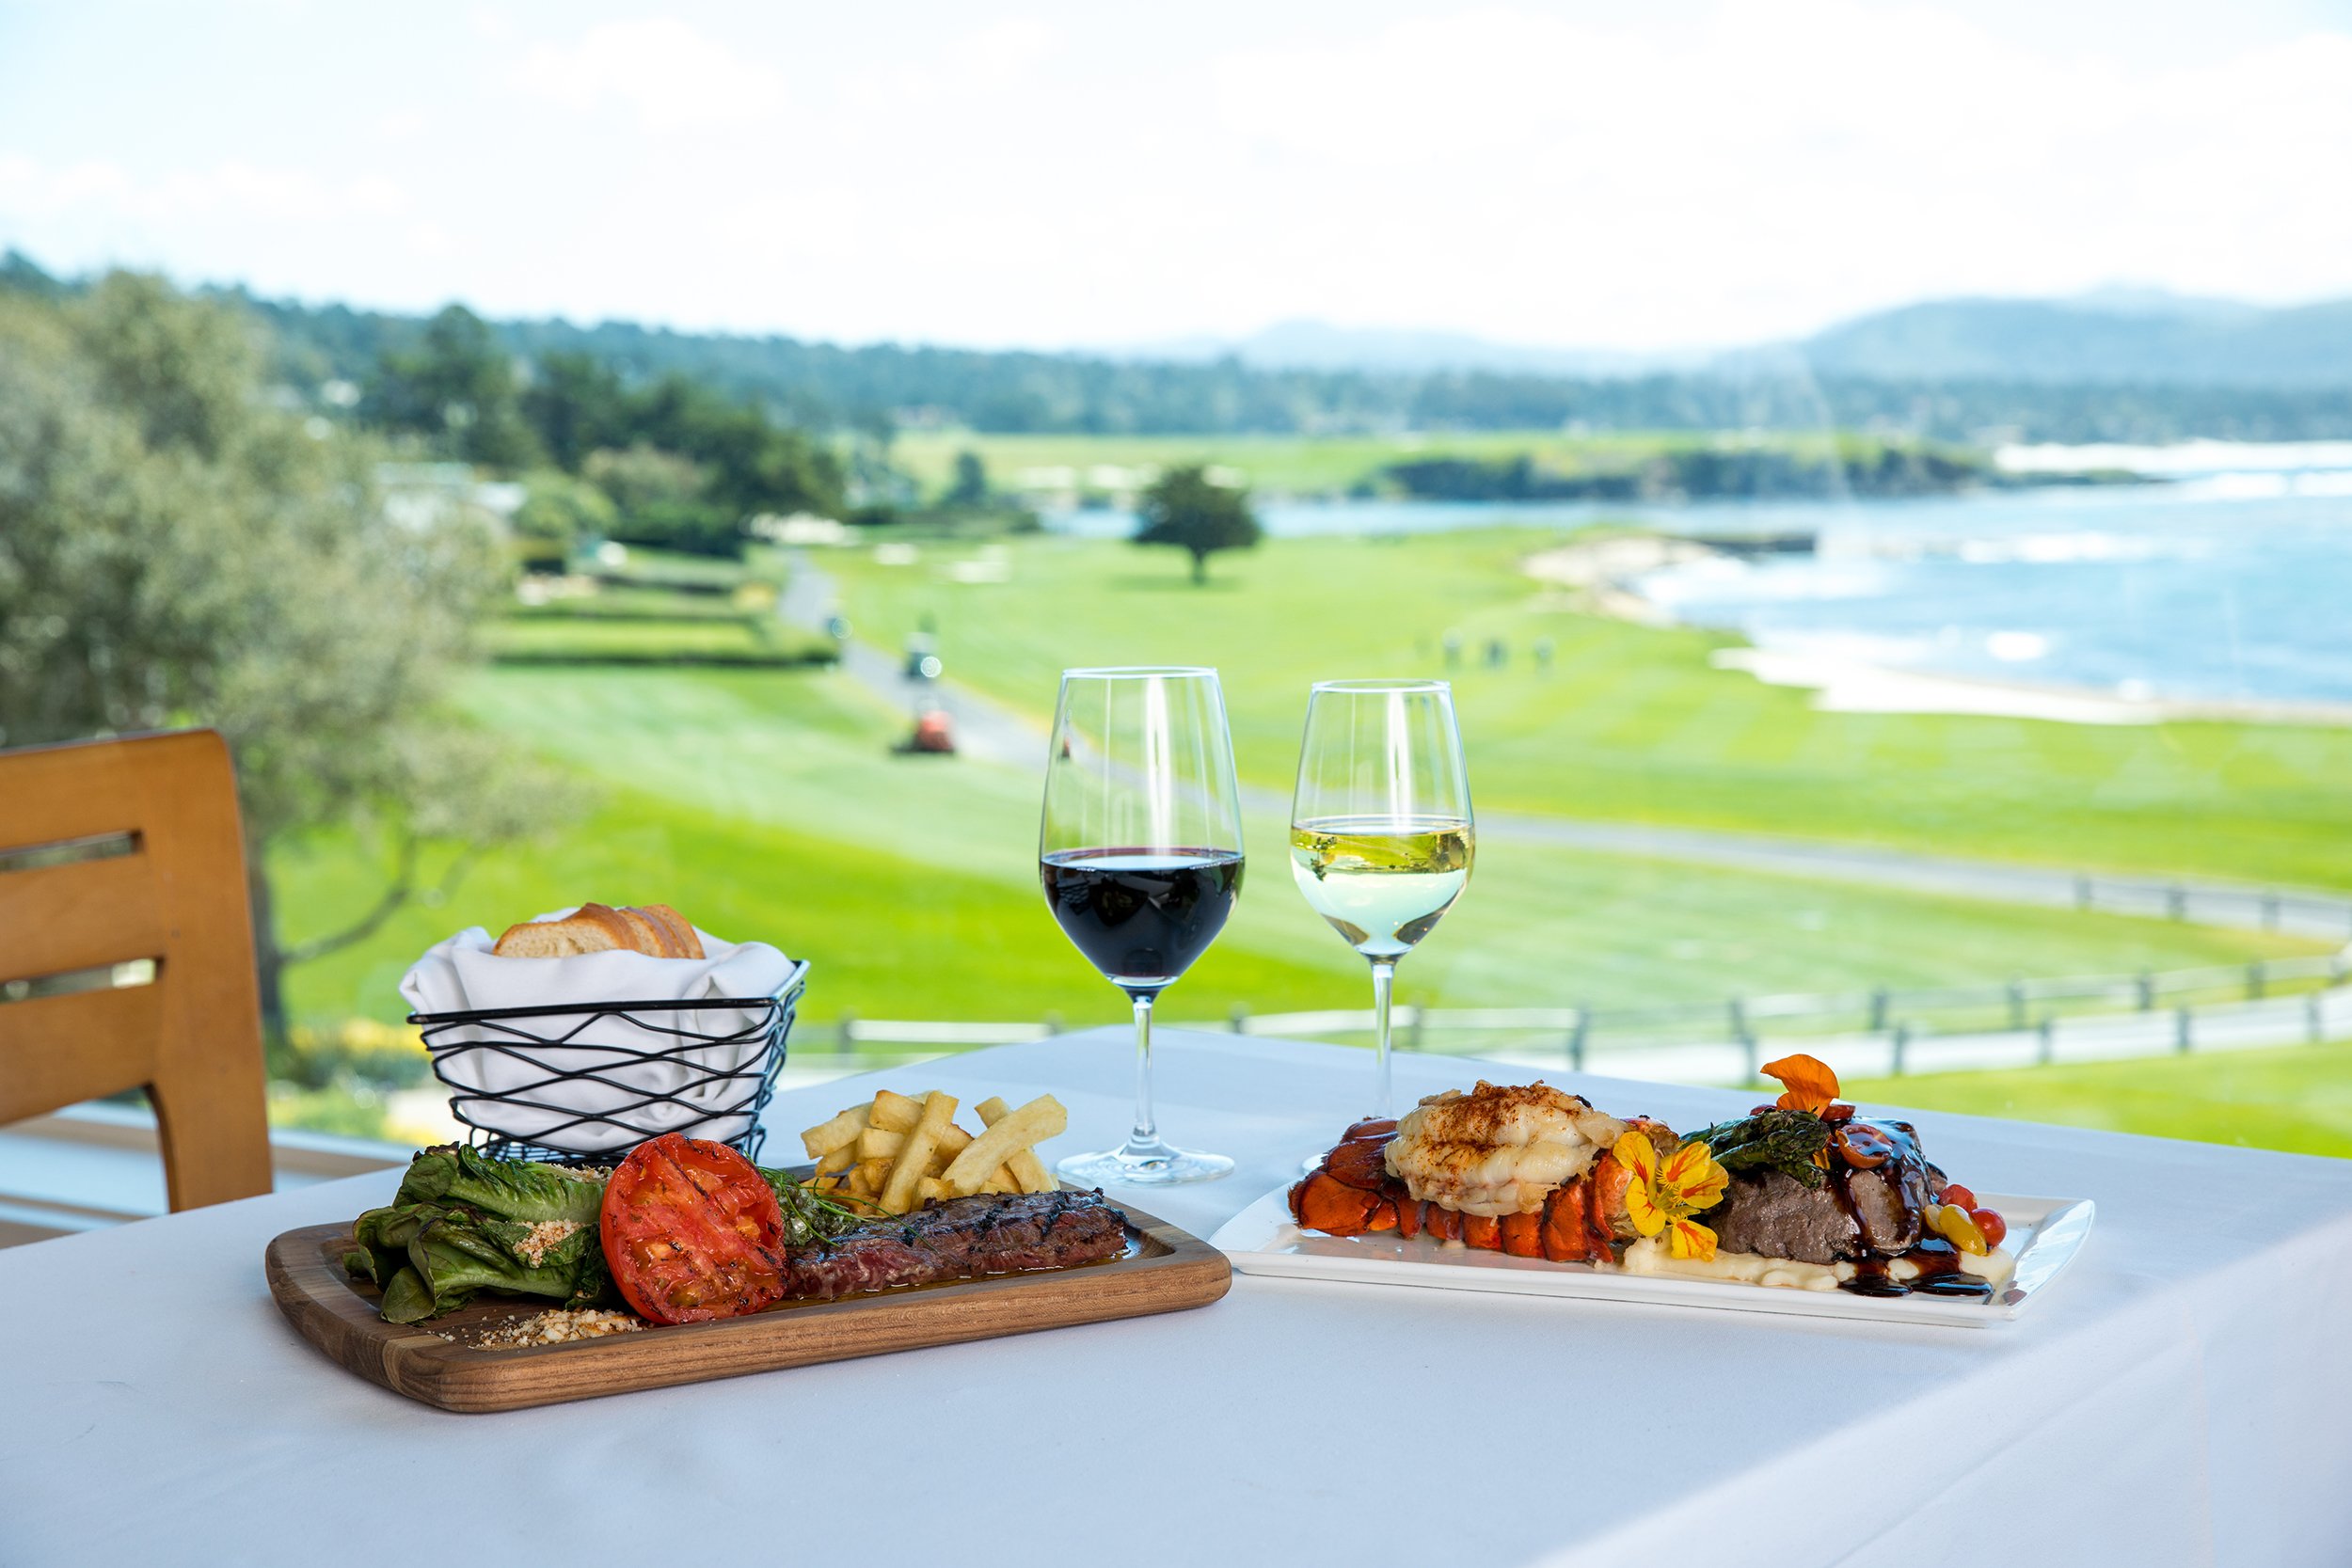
1352, 1194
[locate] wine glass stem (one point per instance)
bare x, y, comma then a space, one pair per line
1146, 1134
1383, 982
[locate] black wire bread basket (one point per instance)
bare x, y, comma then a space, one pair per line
588, 1082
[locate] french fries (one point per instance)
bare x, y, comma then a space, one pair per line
879, 1142
1039, 1119
1028, 1170
896, 1112
839, 1133
901, 1151
898, 1193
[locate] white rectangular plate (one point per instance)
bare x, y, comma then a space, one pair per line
2043, 1232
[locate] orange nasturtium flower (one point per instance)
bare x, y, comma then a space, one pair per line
1664, 1193
1806, 1081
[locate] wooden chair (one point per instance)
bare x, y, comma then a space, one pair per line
73, 901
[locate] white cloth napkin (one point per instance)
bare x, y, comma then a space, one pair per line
462, 974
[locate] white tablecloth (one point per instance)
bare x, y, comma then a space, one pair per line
2181, 1396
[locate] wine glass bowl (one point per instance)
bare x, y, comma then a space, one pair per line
1382, 837
1139, 854
1141, 916
1381, 884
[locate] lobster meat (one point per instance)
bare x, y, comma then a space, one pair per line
1352, 1194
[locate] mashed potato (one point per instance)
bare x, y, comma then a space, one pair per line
1650, 1256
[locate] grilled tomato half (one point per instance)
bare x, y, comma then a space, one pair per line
692, 1233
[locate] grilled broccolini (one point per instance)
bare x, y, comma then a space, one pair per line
1778, 1139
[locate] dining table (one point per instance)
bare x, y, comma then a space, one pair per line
2179, 1395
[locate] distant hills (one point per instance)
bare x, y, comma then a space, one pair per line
1313, 345
2112, 337
1952, 374
2119, 366
2157, 341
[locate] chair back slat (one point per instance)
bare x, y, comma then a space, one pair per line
192, 1037
58, 794
58, 919
63, 1049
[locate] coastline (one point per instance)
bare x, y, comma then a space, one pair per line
1600, 576
1850, 686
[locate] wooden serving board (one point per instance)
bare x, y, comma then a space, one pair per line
1164, 1270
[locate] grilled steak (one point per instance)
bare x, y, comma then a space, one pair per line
1773, 1214
958, 1240
1891, 1200
1880, 1208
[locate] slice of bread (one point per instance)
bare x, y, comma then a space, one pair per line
654, 929
683, 941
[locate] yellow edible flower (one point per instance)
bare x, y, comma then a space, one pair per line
1664, 1193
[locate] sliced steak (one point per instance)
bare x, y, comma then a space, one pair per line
1891, 1200
960, 1238
1775, 1216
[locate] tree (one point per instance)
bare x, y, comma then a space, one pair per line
970, 487
22, 273
1182, 507
642, 476
456, 386
174, 550
558, 514
751, 465
576, 405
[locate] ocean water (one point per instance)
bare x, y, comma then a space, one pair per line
2206, 590
2230, 583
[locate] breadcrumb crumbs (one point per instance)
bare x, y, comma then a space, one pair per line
533, 1248
558, 1326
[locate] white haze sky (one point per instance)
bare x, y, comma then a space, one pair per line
1644, 176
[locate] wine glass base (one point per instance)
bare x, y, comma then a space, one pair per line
1153, 1165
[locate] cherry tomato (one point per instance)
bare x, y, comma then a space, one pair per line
1960, 1196
1862, 1147
1989, 1222
692, 1231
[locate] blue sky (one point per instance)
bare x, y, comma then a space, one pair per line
1052, 176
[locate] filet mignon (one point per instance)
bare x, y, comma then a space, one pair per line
1889, 1224
1775, 1216
1891, 1200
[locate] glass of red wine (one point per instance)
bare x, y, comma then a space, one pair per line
1139, 852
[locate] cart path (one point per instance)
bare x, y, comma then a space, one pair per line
997, 733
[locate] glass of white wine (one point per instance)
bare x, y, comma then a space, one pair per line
1381, 833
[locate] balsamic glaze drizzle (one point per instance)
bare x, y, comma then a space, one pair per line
1936, 1260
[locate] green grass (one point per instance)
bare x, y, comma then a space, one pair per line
1630, 722
1299, 465
769, 804
524, 638
587, 637
2298, 1099
647, 603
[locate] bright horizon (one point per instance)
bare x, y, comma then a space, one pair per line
1072, 178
